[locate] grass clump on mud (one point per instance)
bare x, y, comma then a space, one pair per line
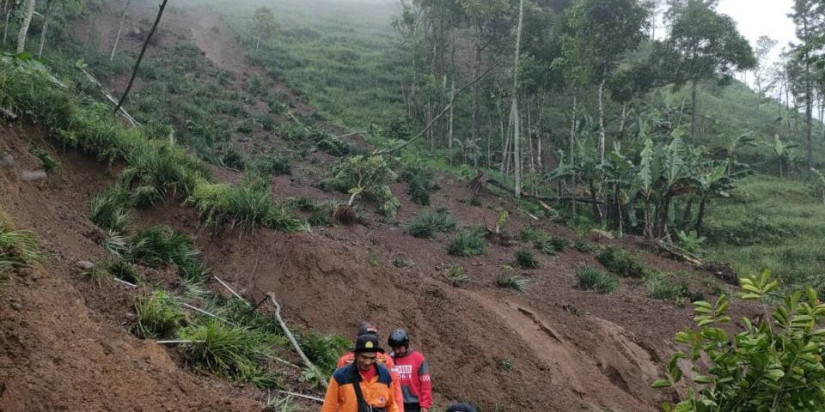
508, 279
591, 278
621, 262
428, 223
525, 259
159, 245
17, 247
108, 210
159, 315
468, 242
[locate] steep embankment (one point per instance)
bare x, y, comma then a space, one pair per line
58, 349
553, 348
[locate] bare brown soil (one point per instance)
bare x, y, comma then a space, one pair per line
65, 344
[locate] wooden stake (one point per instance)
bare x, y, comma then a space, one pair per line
232, 291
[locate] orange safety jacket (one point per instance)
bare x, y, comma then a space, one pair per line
384, 360
377, 391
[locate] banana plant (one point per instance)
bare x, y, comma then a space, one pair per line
819, 182
744, 139
782, 150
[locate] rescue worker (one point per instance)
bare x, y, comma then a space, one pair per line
363, 385
381, 358
412, 371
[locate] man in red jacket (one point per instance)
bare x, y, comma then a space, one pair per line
413, 373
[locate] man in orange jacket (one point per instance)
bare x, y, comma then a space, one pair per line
381, 358
363, 385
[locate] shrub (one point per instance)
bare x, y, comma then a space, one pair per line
158, 315
402, 262
145, 196
467, 242
123, 271
774, 365
591, 278
367, 177
456, 276
427, 223
559, 243
550, 245
98, 275
280, 164
419, 181
620, 262
108, 209
509, 280
526, 260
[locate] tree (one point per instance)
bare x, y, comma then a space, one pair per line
264, 24
28, 12
599, 32
487, 20
762, 77
140, 56
705, 44
809, 17
515, 112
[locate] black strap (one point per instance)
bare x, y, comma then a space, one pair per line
362, 404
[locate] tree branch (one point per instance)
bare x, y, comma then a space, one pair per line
292, 339
438, 116
140, 57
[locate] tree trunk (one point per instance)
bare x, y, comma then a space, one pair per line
573, 150
140, 56
476, 90
700, 218
688, 212
257, 43
516, 128
46, 19
597, 214
24, 28
601, 115
7, 10
693, 112
450, 134
120, 29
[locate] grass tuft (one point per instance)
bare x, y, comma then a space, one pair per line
525, 259
467, 242
508, 279
428, 223
591, 278
621, 262
456, 276
158, 315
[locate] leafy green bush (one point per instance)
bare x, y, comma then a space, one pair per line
108, 209
690, 242
525, 259
591, 278
774, 365
467, 242
367, 177
158, 315
508, 279
419, 180
427, 223
620, 262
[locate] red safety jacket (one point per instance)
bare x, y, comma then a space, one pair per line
414, 375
